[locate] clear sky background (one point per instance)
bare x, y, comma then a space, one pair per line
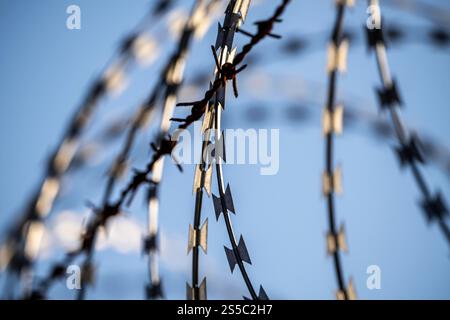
45, 69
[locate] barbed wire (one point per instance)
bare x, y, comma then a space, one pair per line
163, 147
198, 235
333, 125
210, 108
409, 150
223, 204
227, 71
235, 14
301, 106
23, 241
199, 17
167, 86
434, 148
169, 83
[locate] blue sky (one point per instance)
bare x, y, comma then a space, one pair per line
46, 68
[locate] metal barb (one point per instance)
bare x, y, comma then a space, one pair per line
409, 152
333, 124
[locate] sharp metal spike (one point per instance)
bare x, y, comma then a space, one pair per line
229, 199
435, 207
338, 120
220, 33
229, 8
243, 252
326, 184
231, 55
340, 295
197, 178
336, 241
332, 184
202, 237
35, 233
374, 37
337, 56
341, 240
337, 181
351, 292
221, 97
275, 36
224, 55
241, 7
262, 294
389, 97
198, 237
331, 243
235, 20
231, 258
217, 206
191, 238
208, 180
189, 292
342, 56
206, 120
410, 152
219, 148
246, 33
196, 293
326, 122
202, 290
333, 121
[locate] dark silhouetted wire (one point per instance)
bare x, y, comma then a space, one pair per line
331, 178
38, 208
409, 151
